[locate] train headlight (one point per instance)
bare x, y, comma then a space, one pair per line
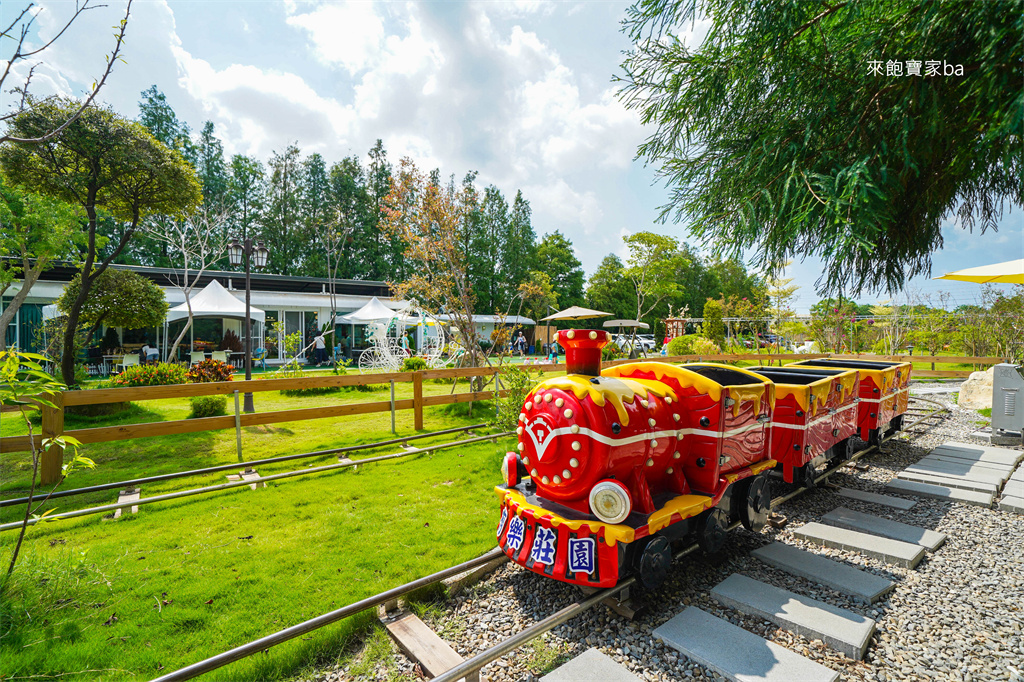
510, 468
609, 500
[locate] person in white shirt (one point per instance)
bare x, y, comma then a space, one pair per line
320, 349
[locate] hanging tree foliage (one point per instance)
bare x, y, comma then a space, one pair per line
789, 131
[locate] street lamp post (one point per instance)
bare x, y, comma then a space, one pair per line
256, 255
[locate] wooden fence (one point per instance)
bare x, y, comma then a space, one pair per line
53, 417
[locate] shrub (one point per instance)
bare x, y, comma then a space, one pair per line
208, 406
111, 340
230, 342
691, 344
210, 370
516, 380
163, 374
612, 352
413, 364
713, 328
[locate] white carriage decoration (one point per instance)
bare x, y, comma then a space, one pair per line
387, 328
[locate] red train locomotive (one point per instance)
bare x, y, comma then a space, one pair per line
614, 465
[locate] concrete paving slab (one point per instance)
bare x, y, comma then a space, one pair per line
967, 473
591, 666
842, 517
940, 492
1012, 504
1013, 488
987, 453
128, 495
736, 654
949, 481
860, 585
895, 552
996, 466
843, 630
875, 498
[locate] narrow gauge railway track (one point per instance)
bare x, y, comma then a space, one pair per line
506, 646
228, 467
14, 525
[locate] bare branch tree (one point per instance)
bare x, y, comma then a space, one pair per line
18, 31
197, 241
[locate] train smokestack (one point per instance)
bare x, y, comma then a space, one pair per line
583, 350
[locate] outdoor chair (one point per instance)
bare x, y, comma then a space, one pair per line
197, 356
260, 356
221, 355
127, 361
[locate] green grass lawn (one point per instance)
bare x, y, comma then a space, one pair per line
182, 580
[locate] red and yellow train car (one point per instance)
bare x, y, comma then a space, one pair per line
884, 393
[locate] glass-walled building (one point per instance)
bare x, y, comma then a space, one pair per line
298, 306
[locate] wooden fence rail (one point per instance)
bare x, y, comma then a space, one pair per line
53, 417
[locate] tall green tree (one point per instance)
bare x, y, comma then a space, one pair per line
519, 246
386, 255
651, 268
34, 232
556, 258
610, 291
101, 162
847, 130
212, 169
350, 196
282, 217
119, 298
246, 188
486, 252
318, 212
159, 118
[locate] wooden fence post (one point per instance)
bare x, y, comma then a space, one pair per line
53, 425
417, 400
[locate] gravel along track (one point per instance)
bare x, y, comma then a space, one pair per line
958, 616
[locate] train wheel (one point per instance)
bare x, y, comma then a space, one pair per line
843, 451
805, 475
653, 562
712, 530
754, 514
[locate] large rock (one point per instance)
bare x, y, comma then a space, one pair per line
976, 392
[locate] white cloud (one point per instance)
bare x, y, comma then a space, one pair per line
347, 33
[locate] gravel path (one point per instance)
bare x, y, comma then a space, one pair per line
958, 616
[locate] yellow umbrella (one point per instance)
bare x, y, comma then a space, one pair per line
1010, 272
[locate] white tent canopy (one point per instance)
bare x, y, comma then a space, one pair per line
373, 311
215, 301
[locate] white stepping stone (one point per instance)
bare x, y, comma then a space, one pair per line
893, 552
973, 463
876, 525
128, 495
967, 473
860, 585
986, 453
1014, 488
591, 666
736, 654
949, 481
1012, 504
940, 492
843, 630
875, 498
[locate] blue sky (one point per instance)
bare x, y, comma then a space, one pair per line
520, 91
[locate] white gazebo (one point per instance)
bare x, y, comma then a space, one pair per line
214, 301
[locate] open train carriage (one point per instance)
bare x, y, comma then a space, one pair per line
613, 466
884, 393
815, 415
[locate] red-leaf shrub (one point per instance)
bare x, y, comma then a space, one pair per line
210, 370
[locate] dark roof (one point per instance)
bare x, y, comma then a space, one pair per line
259, 281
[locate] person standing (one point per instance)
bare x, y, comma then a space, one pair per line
320, 349
521, 344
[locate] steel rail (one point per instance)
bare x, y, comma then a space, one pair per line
478, 661
264, 643
238, 484
226, 467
